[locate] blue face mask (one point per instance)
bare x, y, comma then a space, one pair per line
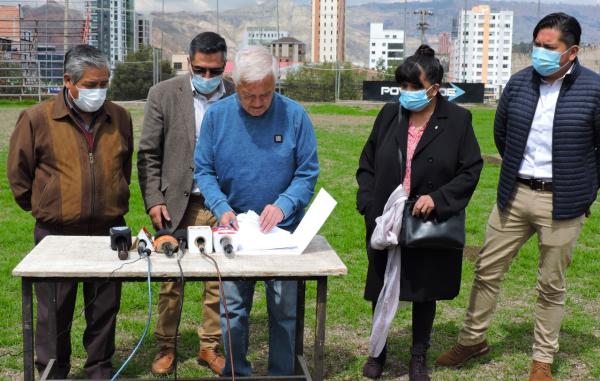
205, 86
414, 100
546, 62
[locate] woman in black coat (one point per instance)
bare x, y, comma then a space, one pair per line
441, 163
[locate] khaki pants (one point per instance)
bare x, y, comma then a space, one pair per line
529, 213
170, 293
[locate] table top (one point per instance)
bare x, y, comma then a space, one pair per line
91, 257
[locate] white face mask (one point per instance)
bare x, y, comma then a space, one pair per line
90, 100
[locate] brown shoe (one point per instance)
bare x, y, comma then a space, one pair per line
164, 362
209, 357
540, 371
459, 354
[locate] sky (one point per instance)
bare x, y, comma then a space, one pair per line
203, 5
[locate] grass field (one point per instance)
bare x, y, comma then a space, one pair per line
341, 132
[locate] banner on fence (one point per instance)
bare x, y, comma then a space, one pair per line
389, 91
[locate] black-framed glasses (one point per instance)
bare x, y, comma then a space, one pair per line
199, 70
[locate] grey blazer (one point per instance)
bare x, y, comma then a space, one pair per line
166, 150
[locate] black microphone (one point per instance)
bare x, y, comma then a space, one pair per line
181, 236
226, 244
120, 240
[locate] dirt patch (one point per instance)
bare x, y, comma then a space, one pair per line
492, 159
471, 253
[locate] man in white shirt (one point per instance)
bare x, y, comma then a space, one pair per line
546, 130
172, 120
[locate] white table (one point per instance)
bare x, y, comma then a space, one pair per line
78, 258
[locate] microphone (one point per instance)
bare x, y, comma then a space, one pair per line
225, 239
181, 236
120, 240
165, 243
200, 239
144, 239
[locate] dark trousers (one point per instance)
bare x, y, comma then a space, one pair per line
101, 301
423, 314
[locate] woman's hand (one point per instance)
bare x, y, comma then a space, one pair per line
423, 207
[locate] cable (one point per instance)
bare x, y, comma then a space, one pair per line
182, 281
134, 351
224, 299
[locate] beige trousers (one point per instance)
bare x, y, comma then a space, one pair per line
169, 298
529, 213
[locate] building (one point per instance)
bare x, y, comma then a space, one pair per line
179, 63
111, 27
262, 35
386, 47
141, 32
328, 30
482, 49
288, 49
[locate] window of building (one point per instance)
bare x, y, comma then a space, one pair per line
372, 44
383, 44
177, 65
507, 25
396, 46
505, 66
490, 57
480, 41
394, 36
480, 33
372, 52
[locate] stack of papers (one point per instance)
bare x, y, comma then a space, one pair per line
281, 241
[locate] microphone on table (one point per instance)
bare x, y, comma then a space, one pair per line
200, 239
120, 240
144, 242
225, 239
165, 243
181, 237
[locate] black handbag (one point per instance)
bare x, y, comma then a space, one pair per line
430, 233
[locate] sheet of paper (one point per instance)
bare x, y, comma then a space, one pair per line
281, 241
251, 238
313, 220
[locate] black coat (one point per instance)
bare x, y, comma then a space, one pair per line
446, 165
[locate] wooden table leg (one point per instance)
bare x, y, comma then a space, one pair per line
319, 373
27, 314
300, 302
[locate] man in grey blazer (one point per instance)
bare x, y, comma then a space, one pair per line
171, 127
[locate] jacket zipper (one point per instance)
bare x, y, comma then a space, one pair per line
91, 157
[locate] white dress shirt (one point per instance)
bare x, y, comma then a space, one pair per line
537, 160
201, 104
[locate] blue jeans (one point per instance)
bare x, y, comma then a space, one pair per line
281, 306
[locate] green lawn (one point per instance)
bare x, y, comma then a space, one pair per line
341, 132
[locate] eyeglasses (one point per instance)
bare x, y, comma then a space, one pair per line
199, 70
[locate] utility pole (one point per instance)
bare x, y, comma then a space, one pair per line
65, 29
404, 26
218, 29
423, 25
538, 8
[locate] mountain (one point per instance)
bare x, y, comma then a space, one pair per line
179, 28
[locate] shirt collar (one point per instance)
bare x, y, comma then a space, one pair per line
558, 80
217, 95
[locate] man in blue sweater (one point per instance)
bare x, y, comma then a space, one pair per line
547, 131
257, 151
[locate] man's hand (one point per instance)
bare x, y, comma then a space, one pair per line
423, 207
228, 219
157, 214
270, 217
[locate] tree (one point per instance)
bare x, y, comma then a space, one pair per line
316, 83
132, 79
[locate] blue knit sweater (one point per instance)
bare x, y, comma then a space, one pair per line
244, 162
575, 138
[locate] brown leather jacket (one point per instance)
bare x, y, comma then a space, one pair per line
64, 181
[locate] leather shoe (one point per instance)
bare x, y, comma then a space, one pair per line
540, 371
459, 354
209, 357
164, 362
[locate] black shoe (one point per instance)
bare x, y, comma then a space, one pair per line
374, 365
372, 368
417, 369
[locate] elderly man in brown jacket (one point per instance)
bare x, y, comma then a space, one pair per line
172, 119
69, 163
